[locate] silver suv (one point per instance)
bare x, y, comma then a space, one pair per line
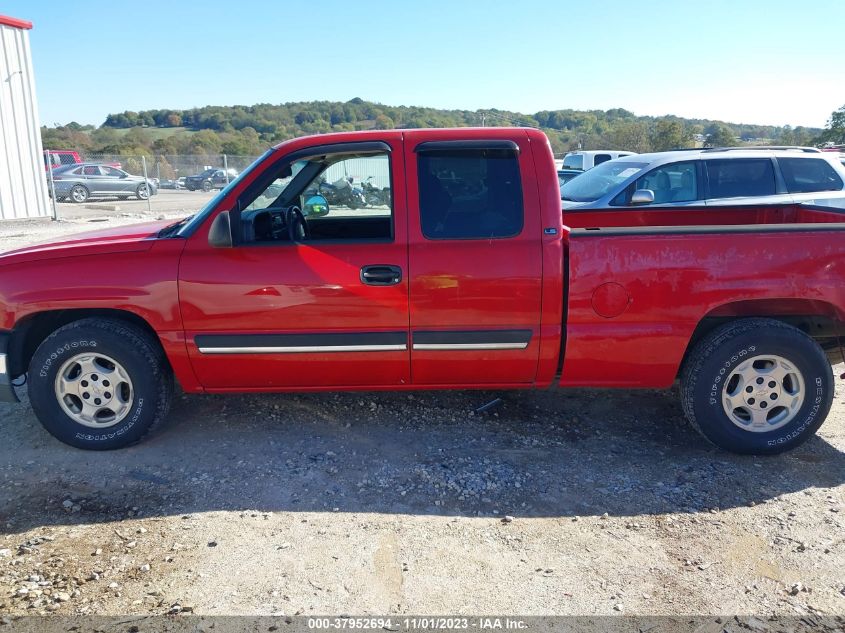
712, 177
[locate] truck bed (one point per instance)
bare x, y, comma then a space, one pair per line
639, 295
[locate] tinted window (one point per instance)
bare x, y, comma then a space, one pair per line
805, 175
598, 159
466, 194
91, 170
67, 159
111, 171
671, 183
732, 178
573, 161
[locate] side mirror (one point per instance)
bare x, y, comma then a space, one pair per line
316, 207
642, 196
220, 233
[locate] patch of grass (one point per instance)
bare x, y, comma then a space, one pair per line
159, 132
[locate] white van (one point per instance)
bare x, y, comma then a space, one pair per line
585, 160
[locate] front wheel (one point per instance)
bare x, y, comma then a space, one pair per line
79, 194
206, 185
99, 384
757, 386
142, 192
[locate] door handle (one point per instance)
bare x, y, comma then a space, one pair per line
381, 275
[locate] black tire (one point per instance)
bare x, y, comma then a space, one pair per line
137, 352
708, 369
79, 193
206, 185
140, 192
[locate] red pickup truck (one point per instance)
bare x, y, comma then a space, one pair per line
467, 276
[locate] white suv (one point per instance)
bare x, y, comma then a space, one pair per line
585, 160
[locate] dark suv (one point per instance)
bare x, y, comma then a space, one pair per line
210, 179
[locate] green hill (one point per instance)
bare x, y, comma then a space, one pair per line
249, 130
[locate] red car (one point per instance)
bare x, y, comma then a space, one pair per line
470, 278
60, 157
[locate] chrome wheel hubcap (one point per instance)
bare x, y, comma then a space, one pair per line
142, 191
763, 393
94, 390
79, 195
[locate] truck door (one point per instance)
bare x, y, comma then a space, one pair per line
474, 260
324, 305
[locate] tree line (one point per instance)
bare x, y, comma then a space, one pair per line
249, 130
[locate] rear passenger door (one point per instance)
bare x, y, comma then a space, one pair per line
475, 265
738, 181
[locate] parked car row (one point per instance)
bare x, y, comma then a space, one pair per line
79, 181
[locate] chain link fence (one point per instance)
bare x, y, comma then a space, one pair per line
172, 167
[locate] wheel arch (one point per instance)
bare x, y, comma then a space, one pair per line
32, 330
821, 320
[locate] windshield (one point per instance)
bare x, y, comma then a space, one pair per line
189, 228
276, 188
599, 181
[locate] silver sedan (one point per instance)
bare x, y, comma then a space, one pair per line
79, 182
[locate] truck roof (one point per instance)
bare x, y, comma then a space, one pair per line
457, 133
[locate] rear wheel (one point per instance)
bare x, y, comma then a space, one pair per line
79, 194
99, 384
757, 386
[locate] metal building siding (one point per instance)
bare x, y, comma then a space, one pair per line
23, 186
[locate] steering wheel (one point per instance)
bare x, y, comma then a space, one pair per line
297, 227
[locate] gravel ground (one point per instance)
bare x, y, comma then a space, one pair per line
581, 502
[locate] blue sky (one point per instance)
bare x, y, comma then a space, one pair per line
756, 61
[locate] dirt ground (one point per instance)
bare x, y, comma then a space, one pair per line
582, 502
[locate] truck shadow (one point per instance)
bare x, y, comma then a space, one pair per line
537, 454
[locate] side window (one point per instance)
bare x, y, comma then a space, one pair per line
341, 197
671, 183
91, 170
738, 177
598, 159
470, 194
806, 175
66, 159
111, 171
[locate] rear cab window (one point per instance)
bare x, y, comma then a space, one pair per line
470, 193
740, 177
809, 175
573, 161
